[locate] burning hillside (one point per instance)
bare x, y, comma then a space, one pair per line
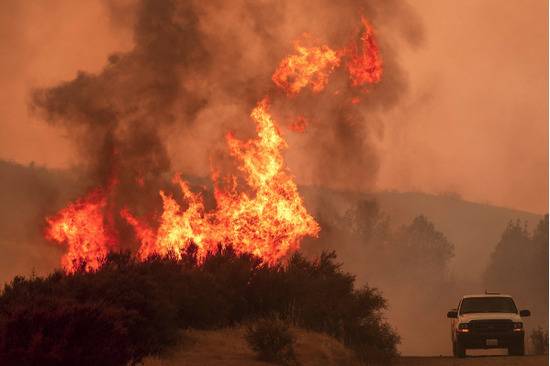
257, 211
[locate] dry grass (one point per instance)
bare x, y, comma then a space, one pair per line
227, 347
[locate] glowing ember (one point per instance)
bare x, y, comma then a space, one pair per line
311, 66
299, 124
81, 227
269, 224
364, 63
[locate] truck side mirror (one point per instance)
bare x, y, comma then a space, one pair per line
524, 313
453, 314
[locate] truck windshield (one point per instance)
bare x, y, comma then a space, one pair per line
487, 305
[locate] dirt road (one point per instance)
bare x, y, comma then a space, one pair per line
475, 361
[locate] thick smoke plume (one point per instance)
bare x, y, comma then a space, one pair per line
194, 73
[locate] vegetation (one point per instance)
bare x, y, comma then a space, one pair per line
128, 309
539, 340
410, 262
519, 266
272, 340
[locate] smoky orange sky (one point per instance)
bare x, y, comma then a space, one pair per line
474, 121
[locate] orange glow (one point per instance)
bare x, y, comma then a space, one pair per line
81, 227
268, 223
299, 124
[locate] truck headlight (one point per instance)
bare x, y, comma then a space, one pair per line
518, 327
463, 328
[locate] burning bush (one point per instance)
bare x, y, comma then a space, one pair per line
141, 305
272, 340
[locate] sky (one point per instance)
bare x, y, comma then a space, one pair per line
474, 120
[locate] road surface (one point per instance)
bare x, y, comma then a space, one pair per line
475, 361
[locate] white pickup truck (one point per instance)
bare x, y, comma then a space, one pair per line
490, 320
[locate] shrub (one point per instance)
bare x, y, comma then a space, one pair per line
66, 334
272, 340
539, 340
144, 304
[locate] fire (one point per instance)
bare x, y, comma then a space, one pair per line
81, 227
275, 219
268, 223
267, 218
364, 64
178, 228
310, 66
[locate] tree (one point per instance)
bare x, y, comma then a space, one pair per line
519, 266
423, 250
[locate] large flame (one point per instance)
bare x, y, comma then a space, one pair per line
268, 223
267, 218
81, 226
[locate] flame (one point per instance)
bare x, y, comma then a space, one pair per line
81, 227
269, 224
310, 66
178, 228
364, 63
267, 219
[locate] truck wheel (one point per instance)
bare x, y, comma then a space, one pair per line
459, 350
517, 349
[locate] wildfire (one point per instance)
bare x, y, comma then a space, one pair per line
178, 228
364, 64
267, 219
81, 227
269, 224
311, 66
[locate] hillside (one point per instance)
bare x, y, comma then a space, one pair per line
227, 347
471, 227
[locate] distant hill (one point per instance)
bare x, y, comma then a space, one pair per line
474, 228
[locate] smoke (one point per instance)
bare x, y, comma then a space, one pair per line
195, 71
28, 193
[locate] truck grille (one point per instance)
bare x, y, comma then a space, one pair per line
491, 326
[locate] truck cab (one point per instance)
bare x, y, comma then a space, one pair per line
490, 320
